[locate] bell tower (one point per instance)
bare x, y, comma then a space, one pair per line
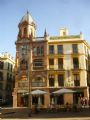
26, 27
23, 61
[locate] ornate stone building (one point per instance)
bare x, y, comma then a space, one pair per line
49, 63
7, 78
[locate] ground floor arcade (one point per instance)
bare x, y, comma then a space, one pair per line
22, 99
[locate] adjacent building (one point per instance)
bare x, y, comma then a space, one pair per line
7, 77
49, 63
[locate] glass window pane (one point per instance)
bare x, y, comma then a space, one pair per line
51, 49
60, 49
60, 80
75, 48
51, 61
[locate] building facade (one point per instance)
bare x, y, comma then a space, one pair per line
7, 77
49, 63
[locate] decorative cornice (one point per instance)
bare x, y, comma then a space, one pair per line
64, 37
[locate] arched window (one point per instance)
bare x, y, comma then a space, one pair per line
19, 34
38, 79
25, 31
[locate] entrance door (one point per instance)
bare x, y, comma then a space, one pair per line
24, 100
76, 97
60, 100
39, 99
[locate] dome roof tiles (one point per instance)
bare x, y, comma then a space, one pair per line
27, 17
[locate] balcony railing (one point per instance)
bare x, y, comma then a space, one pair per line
51, 52
51, 67
56, 67
75, 66
38, 67
60, 67
76, 82
39, 84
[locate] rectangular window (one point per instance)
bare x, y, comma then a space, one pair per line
51, 80
51, 61
24, 50
11, 67
38, 63
8, 77
60, 80
1, 76
8, 66
1, 65
60, 49
51, 49
1, 86
76, 80
42, 50
35, 51
75, 63
60, 63
75, 48
39, 51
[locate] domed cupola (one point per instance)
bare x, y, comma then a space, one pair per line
26, 26
27, 18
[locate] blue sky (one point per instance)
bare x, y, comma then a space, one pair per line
49, 14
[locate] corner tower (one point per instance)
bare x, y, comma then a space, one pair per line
23, 67
26, 27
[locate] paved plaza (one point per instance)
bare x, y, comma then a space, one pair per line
86, 118
22, 113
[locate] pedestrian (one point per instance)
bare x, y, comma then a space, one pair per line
82, 103
86, 102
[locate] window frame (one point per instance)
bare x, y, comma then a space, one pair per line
60, 49
60, 80
51, 49
75, 48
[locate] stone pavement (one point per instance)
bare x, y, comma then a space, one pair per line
22, 113
81, 118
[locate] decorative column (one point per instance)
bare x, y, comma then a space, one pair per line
14, 94
56, 81
47, 100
